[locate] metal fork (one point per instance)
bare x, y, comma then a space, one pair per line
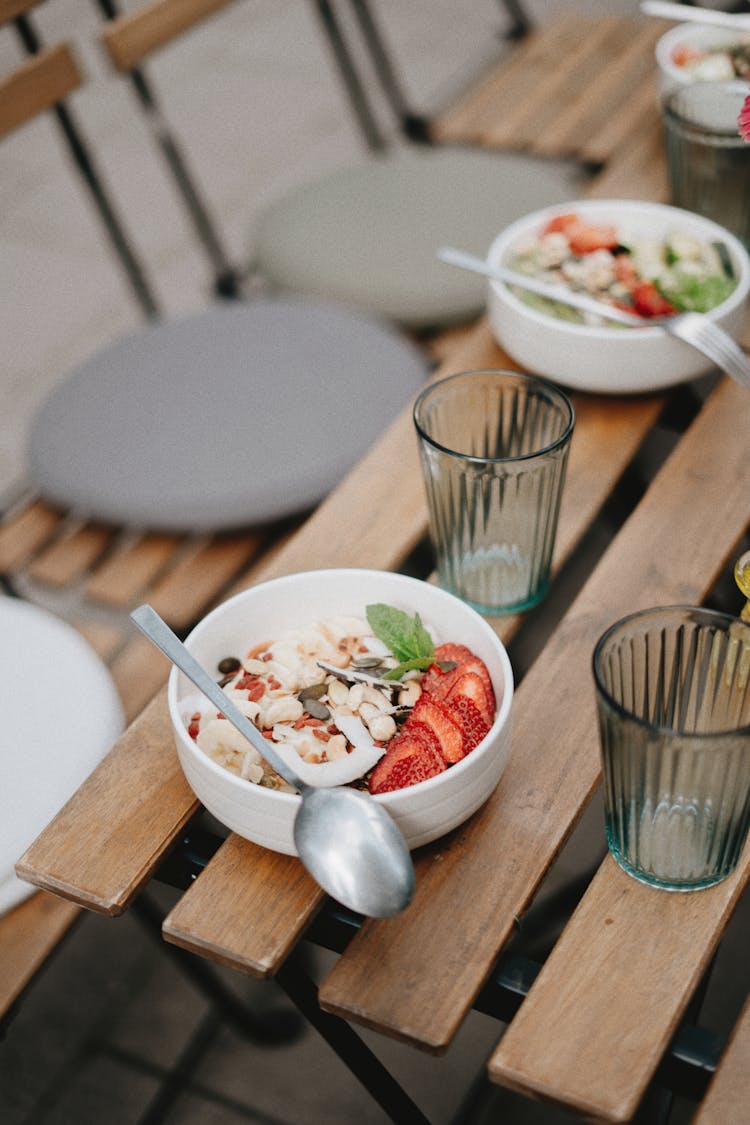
708, 337
694, 328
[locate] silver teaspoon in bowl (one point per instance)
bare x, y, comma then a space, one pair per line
349, 844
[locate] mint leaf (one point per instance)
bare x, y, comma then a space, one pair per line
406, 637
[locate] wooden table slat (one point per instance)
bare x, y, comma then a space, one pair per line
728, 1095
604, 443
531, 64
618, 80
280, 897
609, 998
572, 74
133, 805
670, 550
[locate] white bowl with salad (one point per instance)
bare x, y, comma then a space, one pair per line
359, 677
695, 52
645, 257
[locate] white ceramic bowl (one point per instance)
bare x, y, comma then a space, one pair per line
691, 35
423, 812
604, 359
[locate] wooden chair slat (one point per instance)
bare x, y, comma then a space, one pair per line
69, 558
36, 86
130, 38
133, 805
610, 996
729, 1092
24, 533
670, 550
531, 65
28, 934
9, 9
278, 918
197, 580
127, 573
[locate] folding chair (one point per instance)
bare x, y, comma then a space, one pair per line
243, 413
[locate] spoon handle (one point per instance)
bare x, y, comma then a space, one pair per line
552, 292
157, 631
685, 13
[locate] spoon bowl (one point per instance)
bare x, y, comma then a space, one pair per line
348, 843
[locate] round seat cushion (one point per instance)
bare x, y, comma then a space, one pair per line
368, 235
238, 415
61, 715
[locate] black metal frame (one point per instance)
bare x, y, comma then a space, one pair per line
226, 275
686, 1068
413, 125
92, 178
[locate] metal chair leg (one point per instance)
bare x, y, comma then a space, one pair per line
227, 282
85, 164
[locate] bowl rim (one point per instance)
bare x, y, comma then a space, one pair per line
689, 31
501, 243
395, 797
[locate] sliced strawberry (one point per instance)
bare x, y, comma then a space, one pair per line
587, 237
408, 760
560, 223
437, 682
456, 653
430, 714
473, 724
473, 687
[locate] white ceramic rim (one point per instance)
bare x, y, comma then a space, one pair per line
500, 246
396, 796
690, 33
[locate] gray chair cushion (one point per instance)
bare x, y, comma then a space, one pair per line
238, 415
367, 235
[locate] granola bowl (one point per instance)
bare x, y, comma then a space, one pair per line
278, 608
608, 358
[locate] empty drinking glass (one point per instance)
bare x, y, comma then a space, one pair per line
673, 696
494, 448
708, 162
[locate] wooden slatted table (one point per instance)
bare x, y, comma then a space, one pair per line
606, 1004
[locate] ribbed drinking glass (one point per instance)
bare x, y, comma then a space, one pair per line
673, 696
494, 448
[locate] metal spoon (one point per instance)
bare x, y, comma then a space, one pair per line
348, 843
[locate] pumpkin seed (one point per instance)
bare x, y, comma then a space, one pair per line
367, 662
314, 691
317, 710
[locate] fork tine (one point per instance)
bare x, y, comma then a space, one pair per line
714, 342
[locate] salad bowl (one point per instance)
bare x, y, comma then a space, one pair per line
607, 358
423, 811
695, 52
